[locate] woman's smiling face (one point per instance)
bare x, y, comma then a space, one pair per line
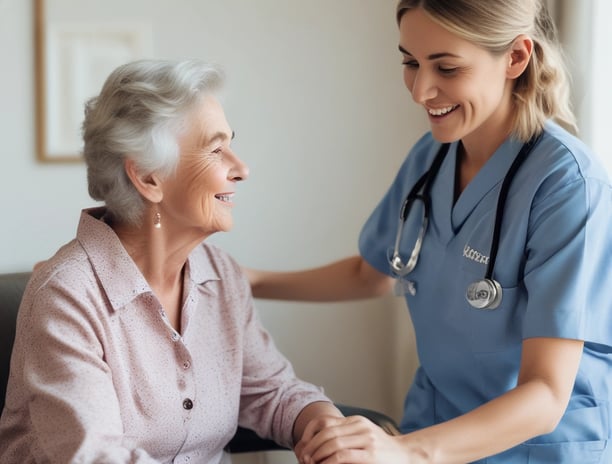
199, 197
463, 87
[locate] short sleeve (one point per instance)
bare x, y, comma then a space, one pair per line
568, 273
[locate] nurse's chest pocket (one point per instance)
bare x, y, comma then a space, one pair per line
491, 330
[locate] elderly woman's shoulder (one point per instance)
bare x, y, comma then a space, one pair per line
66, 276
69, 262
208, 256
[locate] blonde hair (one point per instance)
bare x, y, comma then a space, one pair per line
542, 91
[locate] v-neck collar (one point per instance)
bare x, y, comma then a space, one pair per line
450, 215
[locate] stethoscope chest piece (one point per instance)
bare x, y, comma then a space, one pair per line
484, 294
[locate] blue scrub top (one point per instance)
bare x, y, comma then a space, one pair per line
554, 264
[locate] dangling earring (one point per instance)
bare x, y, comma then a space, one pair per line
157, 220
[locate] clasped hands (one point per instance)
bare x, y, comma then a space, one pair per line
348, 440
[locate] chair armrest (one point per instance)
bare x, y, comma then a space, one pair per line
247, 441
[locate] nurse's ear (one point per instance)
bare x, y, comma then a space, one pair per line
148, 185
519, 56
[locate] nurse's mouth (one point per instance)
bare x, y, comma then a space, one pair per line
441, 112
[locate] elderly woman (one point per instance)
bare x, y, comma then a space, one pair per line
137, 342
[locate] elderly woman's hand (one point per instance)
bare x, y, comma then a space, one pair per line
352, 440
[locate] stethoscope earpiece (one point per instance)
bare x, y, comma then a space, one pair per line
484, 294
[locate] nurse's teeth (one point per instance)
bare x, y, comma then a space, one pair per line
441, 111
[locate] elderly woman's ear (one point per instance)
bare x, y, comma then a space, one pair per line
148, 185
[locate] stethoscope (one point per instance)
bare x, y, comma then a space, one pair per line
485, 293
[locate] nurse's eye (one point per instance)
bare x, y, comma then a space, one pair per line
447, 70
411, 64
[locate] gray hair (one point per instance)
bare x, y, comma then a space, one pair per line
542, 91
139, 115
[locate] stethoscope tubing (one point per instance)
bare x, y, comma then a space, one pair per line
420, 191
501, 201
424, 182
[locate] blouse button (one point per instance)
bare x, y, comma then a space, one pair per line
175, 336
186, 365
187, 404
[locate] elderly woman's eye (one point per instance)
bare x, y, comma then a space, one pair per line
216, 155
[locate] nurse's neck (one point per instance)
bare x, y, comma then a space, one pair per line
466, 168
473, 152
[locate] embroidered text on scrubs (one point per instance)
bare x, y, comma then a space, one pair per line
470, 253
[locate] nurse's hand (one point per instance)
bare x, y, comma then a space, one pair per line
354, 440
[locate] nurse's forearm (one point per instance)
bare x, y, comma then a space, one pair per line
348, 279
527, 411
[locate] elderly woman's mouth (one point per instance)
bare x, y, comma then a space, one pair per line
226, 197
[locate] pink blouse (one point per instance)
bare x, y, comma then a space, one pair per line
99, 375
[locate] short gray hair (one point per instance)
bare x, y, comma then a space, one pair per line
139, 115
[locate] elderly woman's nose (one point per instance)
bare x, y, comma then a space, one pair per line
239, 170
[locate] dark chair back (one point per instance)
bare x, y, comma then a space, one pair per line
11, 291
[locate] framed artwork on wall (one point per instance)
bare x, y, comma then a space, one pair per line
72, 60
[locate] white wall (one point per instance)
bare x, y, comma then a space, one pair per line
601, 70
316, 99
586, 35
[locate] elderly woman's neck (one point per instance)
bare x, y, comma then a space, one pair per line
161, 258
156, 252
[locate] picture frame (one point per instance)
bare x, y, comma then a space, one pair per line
72, 60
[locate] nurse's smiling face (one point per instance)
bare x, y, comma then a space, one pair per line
463, 87
199, 197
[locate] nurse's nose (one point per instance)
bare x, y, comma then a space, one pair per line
424, 87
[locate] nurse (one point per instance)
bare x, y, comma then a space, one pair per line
520, 375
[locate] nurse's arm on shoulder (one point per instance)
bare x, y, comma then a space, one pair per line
347, 279
534, 407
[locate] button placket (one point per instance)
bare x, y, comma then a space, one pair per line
162, 313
